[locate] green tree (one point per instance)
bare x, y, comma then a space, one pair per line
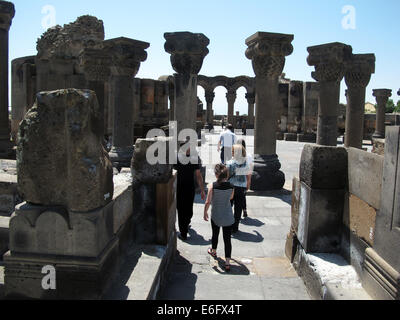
397, 108
390, 106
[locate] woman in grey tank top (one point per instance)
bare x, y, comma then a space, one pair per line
219, 197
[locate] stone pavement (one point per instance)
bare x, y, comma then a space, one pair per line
260, 270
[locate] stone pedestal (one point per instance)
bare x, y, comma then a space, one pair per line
323, 177
329, 61
187, 54
7, 12
382, 96
267, 52
357, 76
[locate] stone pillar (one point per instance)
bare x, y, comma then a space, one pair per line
295, 105
210, 95
382, 96
23, 90
357, 76
127, 54
329, 61
251, 100
187, 54
267, 52
231, 98
7, 12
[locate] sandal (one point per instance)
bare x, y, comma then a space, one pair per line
227, 267
212, 253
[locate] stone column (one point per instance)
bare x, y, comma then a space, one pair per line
357, 76
251, 100
329, 61
231, 98
210, 95
310, 112
295, 107
127, 54
267, 52
7, 12
382, 96
187, 54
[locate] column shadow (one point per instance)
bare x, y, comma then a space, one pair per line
248, 237
181, 281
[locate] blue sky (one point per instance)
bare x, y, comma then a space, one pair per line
227, 23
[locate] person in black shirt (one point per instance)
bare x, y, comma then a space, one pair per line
185, 192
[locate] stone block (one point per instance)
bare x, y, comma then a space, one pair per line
295, 203
143, 171
8, 194
61, 159
307, 137
365, 176
320, 219
4, 235
279, 136
55, 231
290, 136
378, 146
122, 202
76, 278
323, 167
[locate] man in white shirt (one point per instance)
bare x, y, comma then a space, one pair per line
226, 141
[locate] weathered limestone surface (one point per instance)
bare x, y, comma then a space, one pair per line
267, 51
61, 161
329, 61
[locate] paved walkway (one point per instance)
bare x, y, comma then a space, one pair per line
260, 269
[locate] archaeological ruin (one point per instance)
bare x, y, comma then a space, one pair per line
78, 193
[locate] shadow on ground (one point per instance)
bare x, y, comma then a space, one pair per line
181, 283
283, 194
237, 268
248, 237
252, 222
196, 239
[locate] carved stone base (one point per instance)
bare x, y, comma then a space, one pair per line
76, 278
266, 174
121, 157
380, 280
290, 136
307, 137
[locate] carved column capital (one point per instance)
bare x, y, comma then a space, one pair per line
359, 69
267, 51
210, 95
251, 97
95, 64
231, 97
187, 50
382, 96
329, 61
7, 13
126, 55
